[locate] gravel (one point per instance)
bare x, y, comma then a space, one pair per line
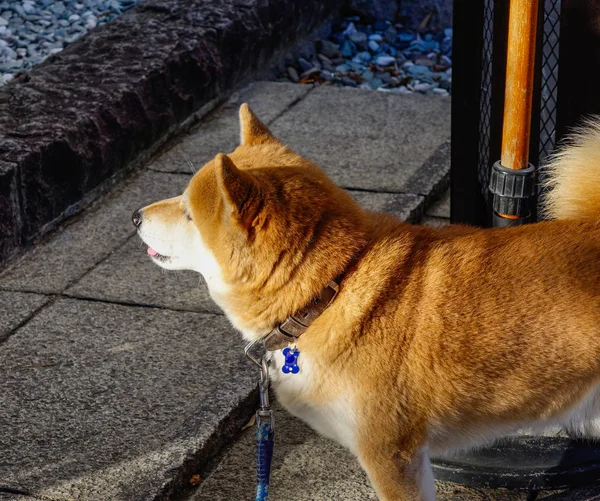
30, 31
382, 56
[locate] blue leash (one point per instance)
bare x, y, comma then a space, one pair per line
265, 435
265, 431
265, 422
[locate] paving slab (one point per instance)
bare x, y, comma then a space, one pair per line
76, 248
220, 133
129, 276
365, 140
16, 308
106, 402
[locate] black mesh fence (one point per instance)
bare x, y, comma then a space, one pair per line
549, 80
486, 95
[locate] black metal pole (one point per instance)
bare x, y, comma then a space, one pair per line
468, 204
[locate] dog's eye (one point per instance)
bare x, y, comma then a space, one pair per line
187, 214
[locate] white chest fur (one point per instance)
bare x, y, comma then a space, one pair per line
298, 393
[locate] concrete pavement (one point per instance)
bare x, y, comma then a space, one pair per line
120, 381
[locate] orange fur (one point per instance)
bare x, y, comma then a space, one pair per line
438, 337
573, 176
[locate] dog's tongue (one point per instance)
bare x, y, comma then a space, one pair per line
152, 252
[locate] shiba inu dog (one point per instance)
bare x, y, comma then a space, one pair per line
414, 354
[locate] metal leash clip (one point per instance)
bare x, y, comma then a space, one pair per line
250, 351
264, 410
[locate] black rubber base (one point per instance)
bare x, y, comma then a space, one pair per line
527, 462
502, 222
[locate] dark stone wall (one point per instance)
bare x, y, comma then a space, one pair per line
80, 117
378, 9
438, 13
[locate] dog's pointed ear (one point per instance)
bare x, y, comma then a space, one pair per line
238, 188
253, 131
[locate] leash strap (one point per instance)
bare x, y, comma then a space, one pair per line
265, 436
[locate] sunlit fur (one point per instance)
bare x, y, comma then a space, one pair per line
573, 177
439, 338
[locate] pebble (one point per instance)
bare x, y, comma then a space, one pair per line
385, 60
324, 59
390, 35
326, 63
31, 30
29, 7
423, 61
422, 87
293, 74
348, 49
375, 83
308, 73
304, 64
381, 56
359, 39
348, 82
402, 90
328, 75
418, 69
362, 57
350, 30
329, 49
368, 75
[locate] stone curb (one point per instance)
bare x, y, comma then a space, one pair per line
83, 116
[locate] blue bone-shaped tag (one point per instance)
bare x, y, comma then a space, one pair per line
291, 361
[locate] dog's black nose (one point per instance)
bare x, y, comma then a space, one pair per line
137, 218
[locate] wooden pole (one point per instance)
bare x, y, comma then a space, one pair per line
520, 66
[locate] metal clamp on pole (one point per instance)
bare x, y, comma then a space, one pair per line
511, 190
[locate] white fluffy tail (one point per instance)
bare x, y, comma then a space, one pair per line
573, 176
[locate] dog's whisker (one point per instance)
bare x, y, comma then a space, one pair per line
189, 163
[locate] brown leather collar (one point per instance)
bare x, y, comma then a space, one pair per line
294, 326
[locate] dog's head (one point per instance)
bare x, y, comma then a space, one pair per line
265, 227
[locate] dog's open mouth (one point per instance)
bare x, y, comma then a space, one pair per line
155, 255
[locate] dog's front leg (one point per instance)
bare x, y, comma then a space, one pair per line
397, 479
